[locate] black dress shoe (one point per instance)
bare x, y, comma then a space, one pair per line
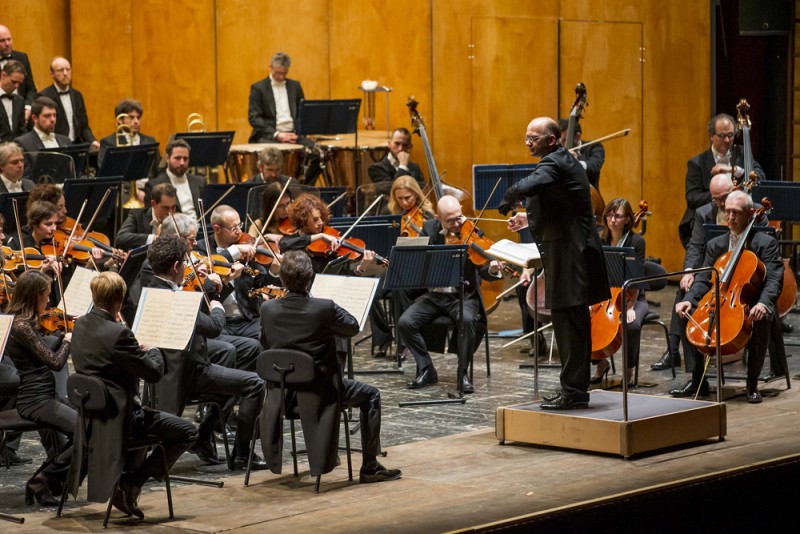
786, 328
466, 385
552, 396
207, 453
663, 363
566, 402
690, 389
258, 464
127, 497
38, 488
378, 474
15, 459
753, 395
426, 377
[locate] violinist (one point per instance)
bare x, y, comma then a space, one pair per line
397, 162
408, 200
445, 301
618, 221
738, 212
36, 357
271, 195
141, 226
591, 158
42, 221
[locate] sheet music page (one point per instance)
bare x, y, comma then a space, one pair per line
165, 318
78, 294
353, 293
5, 331
421, 241
522, 254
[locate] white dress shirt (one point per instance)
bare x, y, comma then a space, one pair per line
283, 113
49, 140
12, 187
66, 101
185, 200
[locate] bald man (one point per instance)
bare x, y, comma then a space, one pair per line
559, 215
71, 117
27, 89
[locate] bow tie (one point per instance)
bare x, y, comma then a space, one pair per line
7, 58
63, 93
8, 96
47, 137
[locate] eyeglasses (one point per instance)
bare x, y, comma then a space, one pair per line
530, 139
729, 135
720, 200
616, 216
239, 226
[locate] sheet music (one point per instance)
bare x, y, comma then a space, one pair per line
420, 241
522, 254
5, 331
78, 294
352, 293
166, 319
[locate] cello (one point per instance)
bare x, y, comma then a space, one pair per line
489, 290
742, 275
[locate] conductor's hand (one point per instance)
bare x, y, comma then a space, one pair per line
683, 308
686, 281
526, 277
518, 222
758, 312
505, 206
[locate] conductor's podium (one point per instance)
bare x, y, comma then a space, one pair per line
653, 423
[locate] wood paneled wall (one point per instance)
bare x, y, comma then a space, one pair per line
480, 69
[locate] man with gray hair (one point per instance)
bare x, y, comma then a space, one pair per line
270, 169
12, 166
12, 111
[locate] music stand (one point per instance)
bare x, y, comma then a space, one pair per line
716, 230
129, 162
7, 209
60, 170
208, 149
76, 191
132, 265
379, 231
484, 178
430, 267
340, 265
330, 117
237, 199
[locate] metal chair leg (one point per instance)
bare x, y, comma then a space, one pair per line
347, 445
294, 448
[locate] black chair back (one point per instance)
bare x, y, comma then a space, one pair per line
87, 392
652, 269
296, 367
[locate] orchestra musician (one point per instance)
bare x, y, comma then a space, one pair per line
43, 134
12, 110
270, 170
397, 162
301, 322
559, 211
108, 350
721, 157
591, 158
738, 211
272, 111
141, 226
42, 222
35, 358
7, 53
70, 108
446, 301
271, 198
618, 222
189, 186
12, 169
129, 112
190, 373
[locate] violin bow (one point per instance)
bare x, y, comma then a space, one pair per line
337, 199
421, 200
63, 300
261, 236
205, 229
480, 215
191, 263
94, 216
609, 137
271, 213
215, 204
19, 233
344, 236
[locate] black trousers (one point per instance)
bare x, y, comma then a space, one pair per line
368, 400
176, 434
573, 331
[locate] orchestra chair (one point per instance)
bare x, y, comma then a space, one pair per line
91, 397
215, 402
293, 371
653, 318
435, 341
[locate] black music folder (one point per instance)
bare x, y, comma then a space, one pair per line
328, 117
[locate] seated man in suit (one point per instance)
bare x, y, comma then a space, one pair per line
189, 372
270, 170
12, 167
738, 212
301, 322
109, 351
28, 88
140, 226
444, 301
12, 112
70, 107
272, 111
131, 111
396, 163
43, 134
189, 186
591, 158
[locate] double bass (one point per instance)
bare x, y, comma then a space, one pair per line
575, 114
489, 290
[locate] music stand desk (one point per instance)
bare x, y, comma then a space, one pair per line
208, 149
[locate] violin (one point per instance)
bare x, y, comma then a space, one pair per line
53, 320
271, 292
286, 227
411, 223
351, 247
217, 263
478, 243
191, 281
13, 258
265, 255
742, 275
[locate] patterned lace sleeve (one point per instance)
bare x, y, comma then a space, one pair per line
28, 336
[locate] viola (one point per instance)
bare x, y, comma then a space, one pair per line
411, 223
271, 292
352, 247
53, 320
265, 255
191, 281
13, 258
478, 244
742, 275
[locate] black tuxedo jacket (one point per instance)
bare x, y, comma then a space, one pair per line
83, 133
261, 110
27, 185
196, 184
108, 350
136, 229
27, 89
384, 171
698, 180
18, 126
30, 141
301, 322
593, 156
560, 218
110, 141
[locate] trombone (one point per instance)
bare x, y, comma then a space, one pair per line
124, 137
195, 123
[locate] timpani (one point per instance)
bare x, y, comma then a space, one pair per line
243, 160
341, 156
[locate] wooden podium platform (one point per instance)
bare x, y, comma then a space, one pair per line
653, 423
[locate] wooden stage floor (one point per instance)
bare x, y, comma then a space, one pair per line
455, 474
